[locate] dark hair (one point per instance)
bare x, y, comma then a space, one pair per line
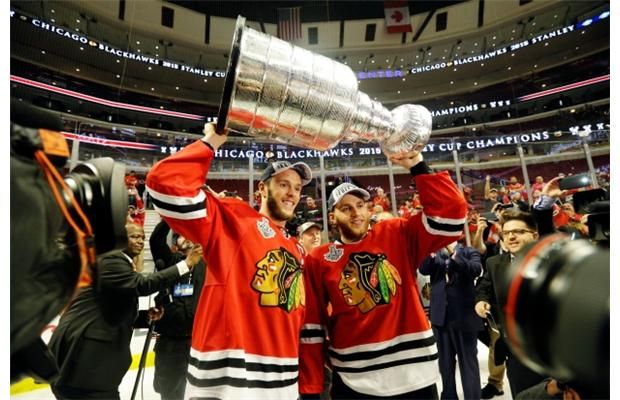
516, 215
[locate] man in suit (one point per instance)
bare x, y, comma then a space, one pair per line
517, 229
91, 342
455, 324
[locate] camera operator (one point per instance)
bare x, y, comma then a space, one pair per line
92, 341
179, 302
58, 225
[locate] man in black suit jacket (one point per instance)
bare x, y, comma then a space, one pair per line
455, 324
175, 327
91, 342
518, 229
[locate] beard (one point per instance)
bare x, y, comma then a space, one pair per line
275, 210
353, 235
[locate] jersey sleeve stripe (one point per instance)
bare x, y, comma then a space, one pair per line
308, 333
185, 208
312, 340
442, 229
191, 215
449, 221
178, 200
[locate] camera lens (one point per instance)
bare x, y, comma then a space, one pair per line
556, 309
99, 188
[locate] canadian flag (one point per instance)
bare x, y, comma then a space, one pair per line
397, 16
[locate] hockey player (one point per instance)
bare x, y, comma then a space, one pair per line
381, 343
245, 340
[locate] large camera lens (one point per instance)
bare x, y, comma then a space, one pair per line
556, 309
98, 186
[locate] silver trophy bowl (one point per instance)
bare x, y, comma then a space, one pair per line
278, 91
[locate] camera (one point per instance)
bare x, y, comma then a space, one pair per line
575, 181
555, 297
58, 226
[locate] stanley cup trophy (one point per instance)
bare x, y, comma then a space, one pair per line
279, 91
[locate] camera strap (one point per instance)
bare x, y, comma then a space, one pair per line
84, 237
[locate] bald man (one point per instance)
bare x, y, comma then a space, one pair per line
91, 342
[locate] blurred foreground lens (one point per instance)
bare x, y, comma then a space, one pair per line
556, 309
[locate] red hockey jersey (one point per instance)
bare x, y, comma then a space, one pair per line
245, 339
381, 343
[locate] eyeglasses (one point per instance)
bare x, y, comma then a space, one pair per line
516, 232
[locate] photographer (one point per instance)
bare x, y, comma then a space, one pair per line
98, 323
179, 302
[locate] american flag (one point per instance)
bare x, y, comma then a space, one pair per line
289, 24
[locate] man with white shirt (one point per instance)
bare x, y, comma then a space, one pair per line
517, 230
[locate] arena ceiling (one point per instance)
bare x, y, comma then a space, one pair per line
313, 11
55, 52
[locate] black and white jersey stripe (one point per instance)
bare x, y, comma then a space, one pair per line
236, 374
312, 333
402, 364
443, 226
179, 207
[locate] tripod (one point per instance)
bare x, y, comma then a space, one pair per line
145, 350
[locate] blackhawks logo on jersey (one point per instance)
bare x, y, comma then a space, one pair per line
279, 280
368, 280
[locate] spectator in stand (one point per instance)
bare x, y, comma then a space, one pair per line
502, 195
415, 201
381, 199
377, 209
131, 215
309, 235
514, 185
515, 199
381, 216
472, 219
477, 237
131, 180
256, 200
404, 211
136, 200
490, 195
538, 184
310, 210
467, 194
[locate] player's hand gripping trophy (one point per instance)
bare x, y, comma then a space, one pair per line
279, 91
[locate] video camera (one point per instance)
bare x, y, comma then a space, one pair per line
555, 297
58, 226
593, 202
